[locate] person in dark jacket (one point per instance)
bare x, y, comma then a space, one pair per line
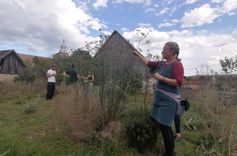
72, 74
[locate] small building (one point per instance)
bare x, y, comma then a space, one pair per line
63, 51
10, 62
116, 55
117, 69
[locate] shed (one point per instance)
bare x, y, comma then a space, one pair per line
117, 71
10, 62
116, 54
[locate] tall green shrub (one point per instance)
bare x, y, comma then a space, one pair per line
141, 130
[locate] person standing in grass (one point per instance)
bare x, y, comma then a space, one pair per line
72, 74
51, 74
169, 74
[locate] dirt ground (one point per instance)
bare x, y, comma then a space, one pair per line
7, 77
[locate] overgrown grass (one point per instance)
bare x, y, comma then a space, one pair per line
71, 124
218, 113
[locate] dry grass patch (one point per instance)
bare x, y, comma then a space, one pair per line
218, 109
80, 113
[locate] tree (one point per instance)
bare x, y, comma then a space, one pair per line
204, 69
229, 64
83, 61
93, 46
36, 70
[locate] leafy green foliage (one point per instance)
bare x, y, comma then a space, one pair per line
26, 76
39, 69
193, 122
83, 61
115, 88
136, 83
30, 108
141, 130
212, 145
80, 58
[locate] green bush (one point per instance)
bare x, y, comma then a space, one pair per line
28, 75
193, 122
30, 108
60, 78
141, 130
210, 144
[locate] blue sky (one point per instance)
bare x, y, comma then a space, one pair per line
206, 30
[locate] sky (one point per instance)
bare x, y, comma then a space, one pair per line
206, 30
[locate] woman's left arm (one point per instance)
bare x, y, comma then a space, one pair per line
169, 81
178, 73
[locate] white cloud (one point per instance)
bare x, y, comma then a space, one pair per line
44, 24
175, 21
196, 48
207, 14
168, 1
229, 5
166, 24
199, 16
145, 2
82, 5
163, 11
42, 27
152, 10
100, 3
217, 1
191, 1
124, 29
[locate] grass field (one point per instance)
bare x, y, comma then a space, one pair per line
31, 126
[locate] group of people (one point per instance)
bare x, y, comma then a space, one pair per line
169, 74
72, 78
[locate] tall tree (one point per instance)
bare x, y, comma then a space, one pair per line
83, 61
229, 64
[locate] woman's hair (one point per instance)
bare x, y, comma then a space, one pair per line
174, 48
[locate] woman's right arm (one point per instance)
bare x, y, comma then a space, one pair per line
140, 56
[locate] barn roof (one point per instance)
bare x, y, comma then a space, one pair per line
5, 53
110, 37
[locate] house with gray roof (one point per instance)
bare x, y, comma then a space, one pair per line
10, 62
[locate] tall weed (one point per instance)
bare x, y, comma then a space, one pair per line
80, 113
219, 114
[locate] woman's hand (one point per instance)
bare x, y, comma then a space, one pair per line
169, 81
158, 77
140, 56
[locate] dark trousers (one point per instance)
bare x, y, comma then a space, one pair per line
168, 139
177, 123
50, 90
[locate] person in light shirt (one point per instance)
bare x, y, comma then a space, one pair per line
51, 74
